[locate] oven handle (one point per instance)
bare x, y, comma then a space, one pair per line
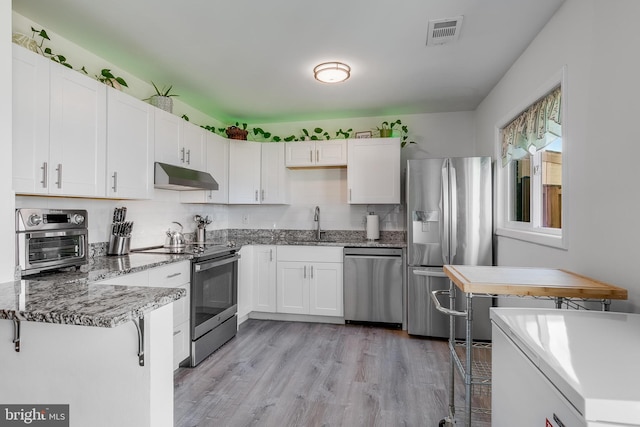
62, 233
204, 266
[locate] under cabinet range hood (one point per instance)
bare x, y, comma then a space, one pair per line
170, 177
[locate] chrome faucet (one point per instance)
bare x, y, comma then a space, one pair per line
316, 218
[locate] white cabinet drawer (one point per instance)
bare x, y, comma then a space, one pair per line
171, 275
140, 278
310, 253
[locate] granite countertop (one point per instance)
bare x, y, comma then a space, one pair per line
388, 239
107, 267
70, 297
84, 304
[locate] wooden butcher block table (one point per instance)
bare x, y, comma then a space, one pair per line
537, 282
562, 286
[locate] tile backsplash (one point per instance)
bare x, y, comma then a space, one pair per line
152, 218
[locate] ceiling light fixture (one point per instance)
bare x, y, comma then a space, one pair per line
332, 72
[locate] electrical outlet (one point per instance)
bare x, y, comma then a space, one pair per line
245, 219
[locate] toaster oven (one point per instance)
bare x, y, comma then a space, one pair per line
50, 239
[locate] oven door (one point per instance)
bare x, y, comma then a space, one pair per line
47, 250
214, 293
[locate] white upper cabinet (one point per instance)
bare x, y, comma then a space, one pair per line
316, 153
168, 129
373, 171
244, 172
30, 122
192, 146
217, 164
77, 138
178, 142
59, 125
273, 179
129, 146
257, 173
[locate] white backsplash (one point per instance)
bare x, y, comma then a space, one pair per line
153, 217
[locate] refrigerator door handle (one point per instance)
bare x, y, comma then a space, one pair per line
453, 230
445, 210
430, 273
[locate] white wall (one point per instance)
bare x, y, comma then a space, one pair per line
597, 40
7, 219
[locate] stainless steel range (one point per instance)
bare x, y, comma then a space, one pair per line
214, 295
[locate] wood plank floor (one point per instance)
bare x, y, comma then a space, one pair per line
307, 374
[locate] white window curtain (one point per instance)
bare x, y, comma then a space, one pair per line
535, 128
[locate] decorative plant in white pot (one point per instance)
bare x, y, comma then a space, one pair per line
162, 98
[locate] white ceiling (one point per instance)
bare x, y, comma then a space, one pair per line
252, 60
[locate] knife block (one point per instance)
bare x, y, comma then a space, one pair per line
118, 245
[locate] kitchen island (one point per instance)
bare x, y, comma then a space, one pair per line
105, 350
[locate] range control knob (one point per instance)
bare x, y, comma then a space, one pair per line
34, 219
77, 219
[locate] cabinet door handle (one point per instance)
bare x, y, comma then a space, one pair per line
210, 195
182, 154
188, 157
311, 156
59, 170
115, 182
45, 174
256, 195
170, 276
312, 271
262, 194
270, 255
349, 194
304, 275
317, 156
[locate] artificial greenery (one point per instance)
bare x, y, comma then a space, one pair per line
105, 76
47, 52
108, 78
260, 135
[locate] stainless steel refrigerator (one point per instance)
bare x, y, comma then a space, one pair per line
449, 209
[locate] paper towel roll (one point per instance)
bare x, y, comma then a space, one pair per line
373, 227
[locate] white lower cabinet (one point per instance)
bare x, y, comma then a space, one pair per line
309, 280
175, 275
264, 278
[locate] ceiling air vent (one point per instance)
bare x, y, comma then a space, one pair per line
443, 31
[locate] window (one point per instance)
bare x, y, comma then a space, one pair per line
531, 176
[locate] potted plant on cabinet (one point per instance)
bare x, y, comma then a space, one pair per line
162, 98
387, 128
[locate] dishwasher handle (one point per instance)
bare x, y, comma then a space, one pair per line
392, 257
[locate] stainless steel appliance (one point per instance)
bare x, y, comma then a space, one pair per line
373, 285
50, 239
214, 295
449, 209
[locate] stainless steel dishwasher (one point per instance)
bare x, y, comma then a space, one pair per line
373, 285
